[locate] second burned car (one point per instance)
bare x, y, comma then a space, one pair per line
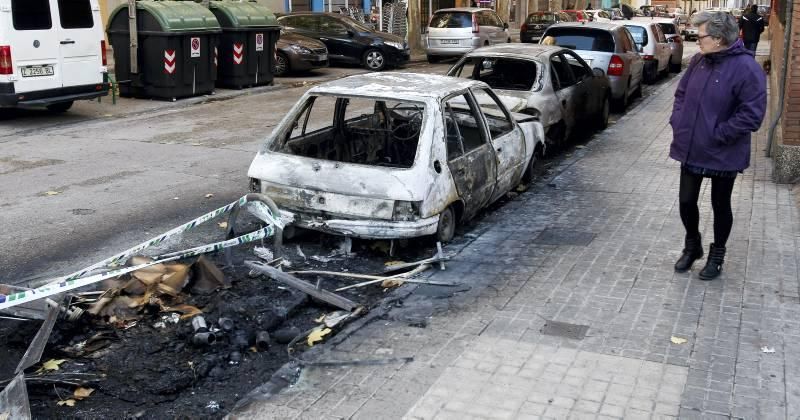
550, 82
385, 156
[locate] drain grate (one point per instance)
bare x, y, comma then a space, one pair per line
551, 236
564, 329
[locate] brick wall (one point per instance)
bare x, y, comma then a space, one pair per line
790, 121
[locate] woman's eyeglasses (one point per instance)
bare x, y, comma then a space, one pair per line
702, 36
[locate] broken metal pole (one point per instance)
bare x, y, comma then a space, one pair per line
401, 277
436, 259
134, 36
36, 348
303, 286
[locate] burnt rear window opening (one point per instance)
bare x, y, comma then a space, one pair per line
499, 72
584, 39
451, 20
365, 131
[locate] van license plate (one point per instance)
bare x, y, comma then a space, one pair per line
36, 71
448, 41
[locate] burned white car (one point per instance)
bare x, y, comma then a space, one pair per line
386, 156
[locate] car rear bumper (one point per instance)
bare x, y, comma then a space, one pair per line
618, 85
464, 46
10, 98
530, 36
364, 228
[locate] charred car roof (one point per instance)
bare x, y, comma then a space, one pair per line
516, 50
408, 86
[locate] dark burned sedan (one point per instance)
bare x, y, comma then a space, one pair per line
349, 41
295, 52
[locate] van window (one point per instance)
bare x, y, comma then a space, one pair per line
451, 20
31, 15
585, 39
75, 14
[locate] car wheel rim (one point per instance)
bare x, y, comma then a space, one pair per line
280, 65
375, 60
446, 225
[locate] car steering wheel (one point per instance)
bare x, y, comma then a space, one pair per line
413, 121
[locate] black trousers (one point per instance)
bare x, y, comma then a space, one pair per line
721, 189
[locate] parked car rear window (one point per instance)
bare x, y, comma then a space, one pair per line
75, 14
451, 20
668, 28
541, 18
580, 39
31, 15
639, 34
499, 73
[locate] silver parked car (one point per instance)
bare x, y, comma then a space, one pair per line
394, 155
454, 32
551, 82
672, 32
606, 46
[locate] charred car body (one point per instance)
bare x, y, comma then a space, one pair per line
385, 156
550, 82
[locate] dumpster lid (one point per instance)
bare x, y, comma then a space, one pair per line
174, 16
235, 14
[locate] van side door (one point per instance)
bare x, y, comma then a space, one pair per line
34, 43
79, 36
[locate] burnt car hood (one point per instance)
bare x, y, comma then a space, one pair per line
291, 38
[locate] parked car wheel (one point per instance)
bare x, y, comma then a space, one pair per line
509, 40
446, 228
374, 60
675, 68
534, 166
602, 118
60, 107
433, 59
281, 64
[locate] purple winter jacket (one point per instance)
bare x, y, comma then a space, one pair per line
719, 101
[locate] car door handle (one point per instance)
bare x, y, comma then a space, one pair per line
67, 41
323, 39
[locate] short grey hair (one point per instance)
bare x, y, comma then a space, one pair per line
721, 25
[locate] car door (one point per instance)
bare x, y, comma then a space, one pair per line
584, 96
567, 92
338, 38
507, 140
469, 153
35, 46
80, 42
632, 58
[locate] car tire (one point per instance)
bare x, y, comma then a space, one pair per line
509, 40
446, 227
282, 66
60, 107
602, 120
433, 59
534, 166
374, 59
675, 68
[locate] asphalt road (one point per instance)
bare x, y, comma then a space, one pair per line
79, 186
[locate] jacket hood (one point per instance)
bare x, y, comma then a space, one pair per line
736, 49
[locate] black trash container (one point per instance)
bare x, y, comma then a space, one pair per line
177, 51
247, 43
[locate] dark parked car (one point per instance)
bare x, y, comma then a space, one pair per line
296, 52
349, 41
537, 22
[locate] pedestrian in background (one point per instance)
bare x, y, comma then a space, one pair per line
752, 25
719, 102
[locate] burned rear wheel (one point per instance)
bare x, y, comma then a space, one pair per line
446, 228
534, 166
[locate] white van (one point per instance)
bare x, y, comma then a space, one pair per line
52, 53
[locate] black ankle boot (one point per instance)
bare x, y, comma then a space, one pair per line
692, 250
716, 256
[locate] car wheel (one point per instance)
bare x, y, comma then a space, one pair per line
675, 68
602, 120
374, 60
446, 228
281, 64
433, 59
509, 40
534, 166
60, 107
486, 43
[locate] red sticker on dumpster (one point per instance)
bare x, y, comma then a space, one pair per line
195, 47
259, 42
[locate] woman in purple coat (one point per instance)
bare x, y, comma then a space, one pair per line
719, 102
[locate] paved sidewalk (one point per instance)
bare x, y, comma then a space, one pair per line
593, 248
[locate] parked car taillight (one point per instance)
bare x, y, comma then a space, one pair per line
475, 27
5, 60
103, 52
616, 66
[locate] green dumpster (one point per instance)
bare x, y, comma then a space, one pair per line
247, 43
177, 49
